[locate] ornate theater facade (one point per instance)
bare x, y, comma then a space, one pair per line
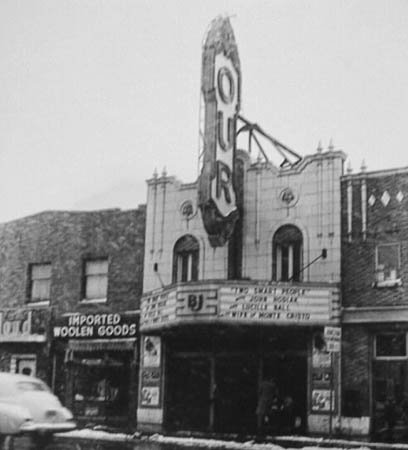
241, 272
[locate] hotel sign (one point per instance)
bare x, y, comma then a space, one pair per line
301, 305
221, 79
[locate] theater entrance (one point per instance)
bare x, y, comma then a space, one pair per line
215, 389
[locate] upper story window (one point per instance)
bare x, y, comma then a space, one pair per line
40, 282
387, 265
287, 254
185, 259
96, 280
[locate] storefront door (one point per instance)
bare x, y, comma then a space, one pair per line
390, 386
390, 398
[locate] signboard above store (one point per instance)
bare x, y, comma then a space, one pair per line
100, 326
246, 303
23, 325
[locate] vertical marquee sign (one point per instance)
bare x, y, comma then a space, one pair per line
221, 85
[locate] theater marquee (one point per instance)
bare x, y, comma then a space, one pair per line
244, 303
221, 84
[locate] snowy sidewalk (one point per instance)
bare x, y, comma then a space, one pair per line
276, 443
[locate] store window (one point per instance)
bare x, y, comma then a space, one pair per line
391, 345
387, 265
40, 282
185, 259
101, 384
390, 372
96, 280
287, 254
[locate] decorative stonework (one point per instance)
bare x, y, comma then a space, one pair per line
288, 197
188, 209
399, 196
385, 198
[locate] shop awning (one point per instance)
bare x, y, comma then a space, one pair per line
90, 345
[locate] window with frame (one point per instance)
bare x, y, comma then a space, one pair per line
185, 259
387, 264
287, 254
40, 282
96, 280
390, 345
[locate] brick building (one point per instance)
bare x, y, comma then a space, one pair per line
375, 296
70, 286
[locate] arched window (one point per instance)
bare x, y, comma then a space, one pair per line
185, 259
287, 254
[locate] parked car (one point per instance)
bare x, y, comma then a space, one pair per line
27, 405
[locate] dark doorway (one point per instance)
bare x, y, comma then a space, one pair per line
188, 389
290, 373
236, 394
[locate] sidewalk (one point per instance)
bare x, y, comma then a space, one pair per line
227, 441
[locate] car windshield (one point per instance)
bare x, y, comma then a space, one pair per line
31, 386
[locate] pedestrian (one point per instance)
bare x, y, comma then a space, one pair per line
268, 403
288, 415
390, 418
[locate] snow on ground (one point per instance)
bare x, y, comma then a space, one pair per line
315, 444
87, 433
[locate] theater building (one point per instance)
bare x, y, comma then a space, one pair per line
241, 273
70, 286
375, 298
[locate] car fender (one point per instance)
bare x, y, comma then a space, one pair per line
12, 417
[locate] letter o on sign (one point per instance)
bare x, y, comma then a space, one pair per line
225, 83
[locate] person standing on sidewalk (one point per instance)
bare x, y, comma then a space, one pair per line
267, 398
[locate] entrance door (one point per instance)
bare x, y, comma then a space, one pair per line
290, 373
390, 394
390, 385
236, 380
188, 392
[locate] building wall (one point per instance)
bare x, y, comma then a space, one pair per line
385, 223
315, 211
356, 380
65, 239
374, 212
165, 224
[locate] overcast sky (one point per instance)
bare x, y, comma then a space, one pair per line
94, 94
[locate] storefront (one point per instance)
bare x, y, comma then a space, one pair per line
23, 341
100, 352
215, 343
378, 391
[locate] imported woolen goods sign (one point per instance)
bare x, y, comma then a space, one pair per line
106, 325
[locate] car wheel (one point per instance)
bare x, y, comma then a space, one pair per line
41, 441
6, 442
